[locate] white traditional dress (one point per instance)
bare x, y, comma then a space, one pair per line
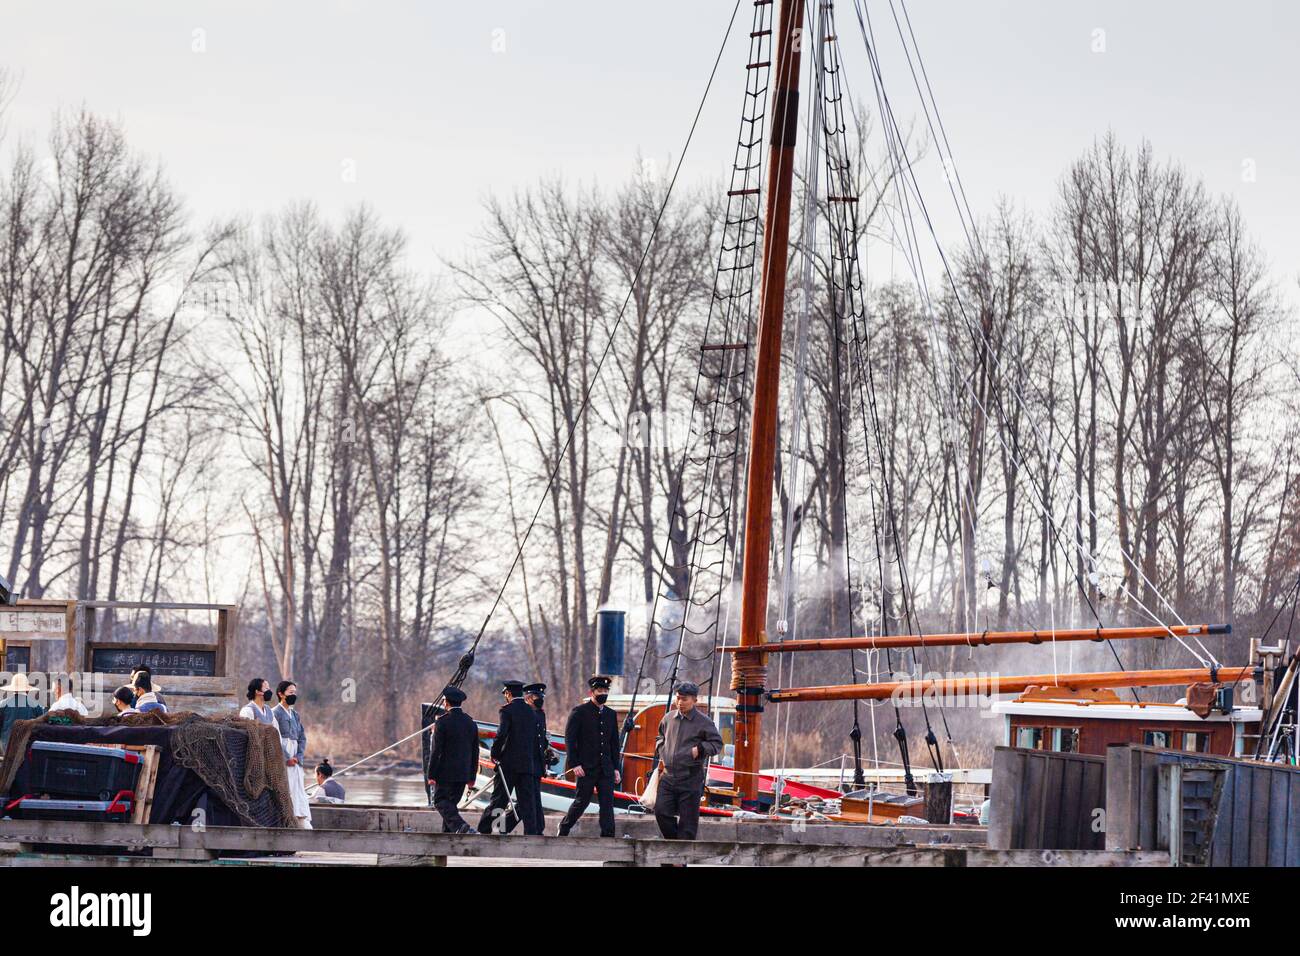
293, 741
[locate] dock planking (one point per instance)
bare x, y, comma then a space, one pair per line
38, 842
641, 826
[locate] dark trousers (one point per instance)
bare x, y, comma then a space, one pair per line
446, 800
512, 820
602, 782
522, 786
677, 806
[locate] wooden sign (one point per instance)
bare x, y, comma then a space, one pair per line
43, 622
177, 662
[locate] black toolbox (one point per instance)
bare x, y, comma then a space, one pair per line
80, 772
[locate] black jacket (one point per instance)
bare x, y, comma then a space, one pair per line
591, 739
543, 740
515, 748
453, 758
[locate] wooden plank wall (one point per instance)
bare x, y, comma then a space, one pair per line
210, 696
1259, 815
1042, 800
222, 693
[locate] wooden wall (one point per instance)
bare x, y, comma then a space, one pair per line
1042, 800
210, 691
1259, 812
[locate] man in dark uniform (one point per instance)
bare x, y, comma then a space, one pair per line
515, 754
592, 756
535, 697
453, 760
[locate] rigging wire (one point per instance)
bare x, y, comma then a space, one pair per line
910, 182
864, 20
609, 344
847, 232
735, 298
467, 659
825, 31
912, 257
791, 50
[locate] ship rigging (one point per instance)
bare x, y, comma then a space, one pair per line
719, 567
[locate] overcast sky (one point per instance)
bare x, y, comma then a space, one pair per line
433, 105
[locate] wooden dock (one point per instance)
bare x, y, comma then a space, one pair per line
395, 836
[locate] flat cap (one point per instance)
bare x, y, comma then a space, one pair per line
689, 689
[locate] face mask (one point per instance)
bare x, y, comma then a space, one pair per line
601, 698
291, 699
267, 696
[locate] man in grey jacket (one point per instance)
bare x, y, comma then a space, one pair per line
687, 740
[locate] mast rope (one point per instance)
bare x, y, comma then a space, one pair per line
827, 74
844, 242
864, 21
911, 255
716, 392
467, 659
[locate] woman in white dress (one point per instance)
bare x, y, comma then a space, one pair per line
293, 739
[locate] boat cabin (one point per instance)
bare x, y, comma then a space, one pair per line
1068, 722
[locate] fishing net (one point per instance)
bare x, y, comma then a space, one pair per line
239, 760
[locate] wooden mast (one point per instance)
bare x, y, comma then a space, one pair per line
748, 672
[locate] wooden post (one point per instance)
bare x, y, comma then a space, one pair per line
223, 638
1169, 811
938, 798
748, 675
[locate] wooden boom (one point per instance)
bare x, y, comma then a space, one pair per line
977, 638
997, 684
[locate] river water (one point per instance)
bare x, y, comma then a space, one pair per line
405, 790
